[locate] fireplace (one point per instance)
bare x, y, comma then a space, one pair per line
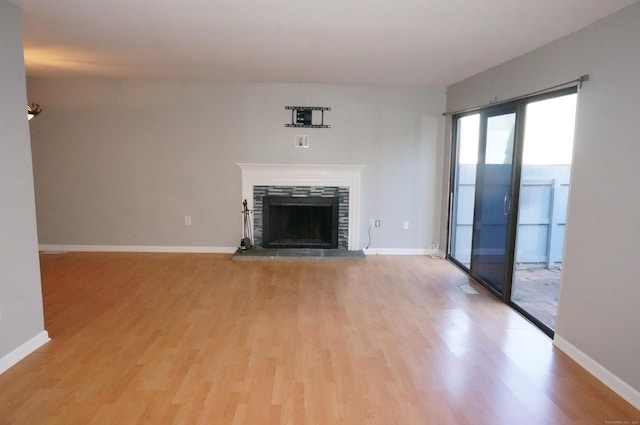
300, 222
306, 180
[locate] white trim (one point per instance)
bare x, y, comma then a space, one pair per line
396, 251
55, 249
341, 175
612, 381
23, 351
137, 248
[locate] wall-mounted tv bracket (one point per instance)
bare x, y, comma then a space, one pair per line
302, 116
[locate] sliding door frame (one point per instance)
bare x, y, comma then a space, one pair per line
519, 106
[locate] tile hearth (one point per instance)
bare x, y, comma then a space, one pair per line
298, 254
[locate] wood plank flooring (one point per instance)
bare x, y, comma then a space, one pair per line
199, 339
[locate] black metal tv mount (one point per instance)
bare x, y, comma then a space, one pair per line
302, 116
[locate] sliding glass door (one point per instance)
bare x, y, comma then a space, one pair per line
542, 212
464, 196
510, 183
489, 251
482, 196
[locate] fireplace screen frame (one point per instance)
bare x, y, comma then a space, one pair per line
295, 201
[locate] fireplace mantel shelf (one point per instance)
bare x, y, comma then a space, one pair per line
343, 175
302, 171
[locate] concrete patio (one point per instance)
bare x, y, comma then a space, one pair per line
536, 290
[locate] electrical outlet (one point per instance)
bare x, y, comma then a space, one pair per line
377, 223
372, 222
302, 141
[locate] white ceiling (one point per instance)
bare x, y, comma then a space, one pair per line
421, 42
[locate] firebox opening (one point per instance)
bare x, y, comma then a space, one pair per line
300, 222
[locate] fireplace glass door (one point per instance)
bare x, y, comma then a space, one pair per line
300, 222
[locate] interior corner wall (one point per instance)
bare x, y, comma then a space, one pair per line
122, 162
21, 315
598, 312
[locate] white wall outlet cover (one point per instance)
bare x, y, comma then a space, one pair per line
302, 141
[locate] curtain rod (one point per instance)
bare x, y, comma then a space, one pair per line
577, 82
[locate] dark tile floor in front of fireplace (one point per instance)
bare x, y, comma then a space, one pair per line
298, 254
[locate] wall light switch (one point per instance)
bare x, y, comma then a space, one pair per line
187, 220
302, 141
405, 226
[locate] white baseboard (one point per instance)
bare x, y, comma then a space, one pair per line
23, 351
620, 387
396, 251
204, 249
138, 248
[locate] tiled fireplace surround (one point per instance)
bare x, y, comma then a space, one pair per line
342, 193
304, 180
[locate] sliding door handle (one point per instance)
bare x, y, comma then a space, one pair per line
506, 204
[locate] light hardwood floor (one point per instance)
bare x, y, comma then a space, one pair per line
199, 339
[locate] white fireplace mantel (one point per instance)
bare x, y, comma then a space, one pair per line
341, 175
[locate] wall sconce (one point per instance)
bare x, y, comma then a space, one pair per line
33, 110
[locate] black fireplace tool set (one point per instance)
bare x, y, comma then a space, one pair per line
245, 242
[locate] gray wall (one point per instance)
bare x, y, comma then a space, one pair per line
121, 162
598, 312
21, 316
